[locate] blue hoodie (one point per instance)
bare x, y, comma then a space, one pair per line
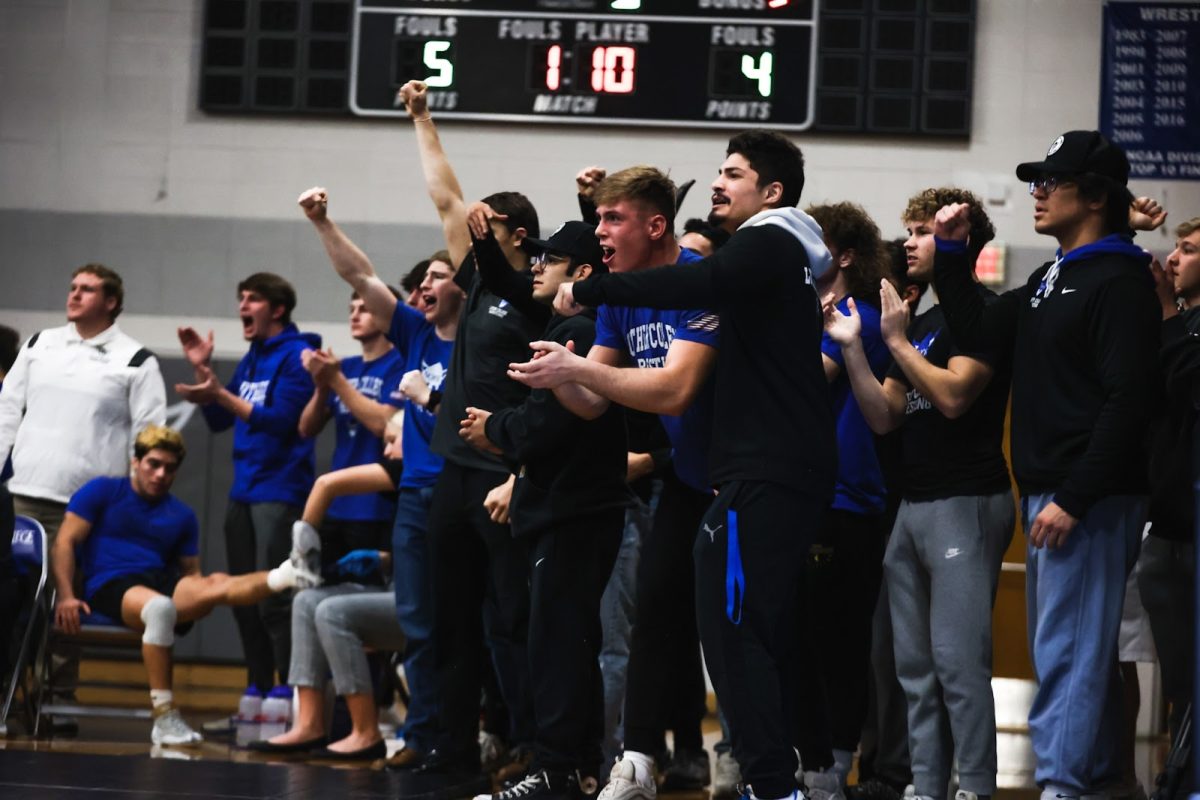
272, 462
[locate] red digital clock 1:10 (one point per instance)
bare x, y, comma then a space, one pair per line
603, 69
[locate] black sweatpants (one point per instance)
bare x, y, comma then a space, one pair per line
341, 536
843, 574
259, 536
748, 619
569, 568
480, 589
665, 677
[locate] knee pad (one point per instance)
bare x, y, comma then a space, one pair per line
159, 617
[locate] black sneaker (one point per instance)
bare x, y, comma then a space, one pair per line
543, 785
687, 771
872, 789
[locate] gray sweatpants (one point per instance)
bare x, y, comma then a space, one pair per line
330, 627
942, 567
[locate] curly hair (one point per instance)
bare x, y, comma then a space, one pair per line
924, 206
847, 226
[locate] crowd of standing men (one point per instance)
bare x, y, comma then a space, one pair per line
583, 460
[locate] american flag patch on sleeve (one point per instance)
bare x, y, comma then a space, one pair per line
705, 322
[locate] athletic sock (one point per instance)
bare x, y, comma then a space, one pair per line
161, 699
843, 762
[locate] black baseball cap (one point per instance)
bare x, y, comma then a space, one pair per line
1076, 152
574, 239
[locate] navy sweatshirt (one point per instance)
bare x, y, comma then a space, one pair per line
272, 462
1085, 340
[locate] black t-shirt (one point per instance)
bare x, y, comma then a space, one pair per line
952, 457
1172, 433
491, 335
772, 419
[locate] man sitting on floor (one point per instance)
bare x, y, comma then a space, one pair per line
141, 564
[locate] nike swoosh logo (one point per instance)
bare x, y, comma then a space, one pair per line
540, 560
1067, 291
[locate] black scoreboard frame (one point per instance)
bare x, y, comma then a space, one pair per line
897, 68
737, 18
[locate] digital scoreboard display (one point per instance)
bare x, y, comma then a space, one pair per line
677, 63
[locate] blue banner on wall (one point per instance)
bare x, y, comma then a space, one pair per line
1150, 87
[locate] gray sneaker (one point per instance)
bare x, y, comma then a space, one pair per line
306, 548
824, 785
726, 778
169, 728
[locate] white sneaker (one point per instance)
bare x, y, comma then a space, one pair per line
623, 784
726, 777
823, 785
288, 576
306, 548
169, 728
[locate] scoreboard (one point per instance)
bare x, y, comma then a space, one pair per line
677, 63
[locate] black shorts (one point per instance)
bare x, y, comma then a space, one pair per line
107, 599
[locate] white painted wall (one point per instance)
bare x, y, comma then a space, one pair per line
98, 114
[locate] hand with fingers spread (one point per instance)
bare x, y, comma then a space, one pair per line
479, 217
588, 179
844, 329
315, 203
1145, 214
473, 430
952, 223
893, 315
204, 391
551, 365
413, 97
1051, 527
197, 351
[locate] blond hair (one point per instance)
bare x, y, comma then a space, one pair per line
159, 437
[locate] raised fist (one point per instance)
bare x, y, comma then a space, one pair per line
588, 178
952, 222
315, 203
412, 95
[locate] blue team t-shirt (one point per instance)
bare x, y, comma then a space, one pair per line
645, 334
379, 380
129, 533
860, 488
419, 346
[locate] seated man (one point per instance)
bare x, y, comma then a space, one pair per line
141, 565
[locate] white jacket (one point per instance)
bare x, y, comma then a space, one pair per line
71, 407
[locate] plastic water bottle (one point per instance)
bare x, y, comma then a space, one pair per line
276, 712
249, 716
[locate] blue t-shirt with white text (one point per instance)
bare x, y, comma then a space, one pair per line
418, 343
129, 533
378, 380
645, 334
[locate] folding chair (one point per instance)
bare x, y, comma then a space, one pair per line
28, 547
